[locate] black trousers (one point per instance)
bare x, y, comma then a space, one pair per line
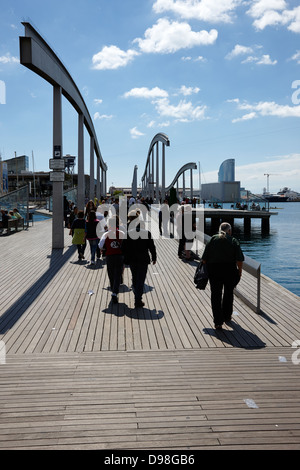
222, 282
115, 265
139, 272
81, 249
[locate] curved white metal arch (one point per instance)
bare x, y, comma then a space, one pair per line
187, 166
38, 56
147, 185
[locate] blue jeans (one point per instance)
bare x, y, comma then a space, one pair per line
93, 247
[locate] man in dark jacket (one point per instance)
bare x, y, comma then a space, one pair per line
224, 259
136, 248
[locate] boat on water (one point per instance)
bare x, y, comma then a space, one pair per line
275, 198
285, 194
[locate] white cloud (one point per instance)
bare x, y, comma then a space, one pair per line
164, 124
111, 57
85, 91
250, 59
266, 108
296, 57
98, 101
200, 58
184, 111
163, 37
273, 109
295, 20
266, 60
168, 37
8, 59
260, 7
246, 117
102, 116
273, 13
135, 133
144, 92
239, 50
158, 125
203, 10
186, 91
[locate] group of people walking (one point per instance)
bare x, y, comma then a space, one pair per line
108, 238
134, 246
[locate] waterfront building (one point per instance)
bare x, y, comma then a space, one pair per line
227, 171
226, 189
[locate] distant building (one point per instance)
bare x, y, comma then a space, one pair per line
226, 189
18, 164
227, 171
3, 178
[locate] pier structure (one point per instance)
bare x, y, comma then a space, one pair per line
39, 57
217, 216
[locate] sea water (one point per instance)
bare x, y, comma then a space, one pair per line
279, 250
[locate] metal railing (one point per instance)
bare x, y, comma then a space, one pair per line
71, 195
250, 266
18, 199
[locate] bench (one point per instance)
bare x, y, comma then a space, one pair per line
15, 223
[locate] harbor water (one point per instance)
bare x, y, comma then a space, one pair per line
279, 251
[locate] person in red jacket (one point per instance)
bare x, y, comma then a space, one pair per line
111, 241
137, 248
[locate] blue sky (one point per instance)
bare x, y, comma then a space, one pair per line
220, 78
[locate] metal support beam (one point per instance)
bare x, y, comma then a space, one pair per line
134, 182
92, 164
98, 188
81, 188
157, 175
58, 209
163, 174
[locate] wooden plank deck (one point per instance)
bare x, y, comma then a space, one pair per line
83, 373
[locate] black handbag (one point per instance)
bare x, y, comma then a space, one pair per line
201, 276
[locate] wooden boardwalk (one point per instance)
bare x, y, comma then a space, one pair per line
82, 373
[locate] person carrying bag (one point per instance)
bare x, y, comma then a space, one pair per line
224, 259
